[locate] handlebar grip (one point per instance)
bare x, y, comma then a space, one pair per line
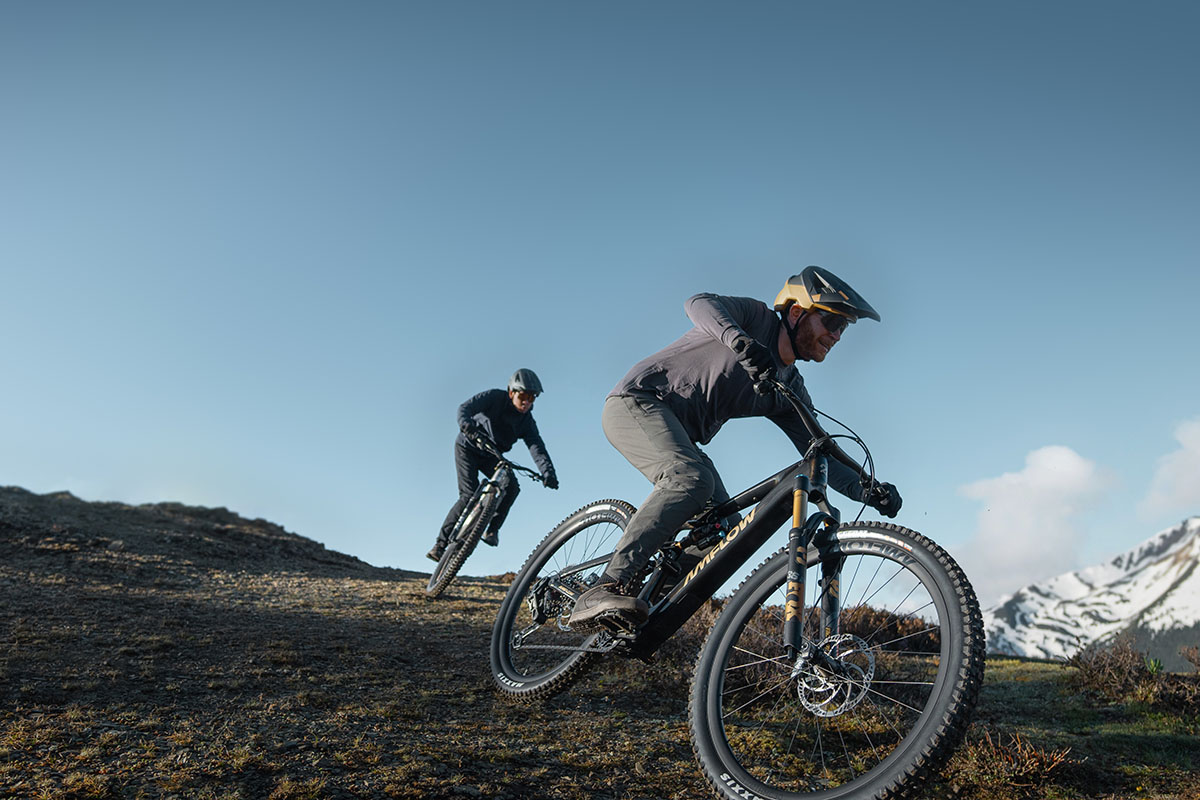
481, 440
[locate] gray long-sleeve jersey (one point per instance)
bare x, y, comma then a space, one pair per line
699, 378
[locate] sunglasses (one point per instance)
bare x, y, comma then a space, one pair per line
526, 397
834, 322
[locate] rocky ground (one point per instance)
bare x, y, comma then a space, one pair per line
169, 651
165, 651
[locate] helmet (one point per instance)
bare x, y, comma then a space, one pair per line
525, 380
820, 288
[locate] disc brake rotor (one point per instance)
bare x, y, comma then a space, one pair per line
831, 692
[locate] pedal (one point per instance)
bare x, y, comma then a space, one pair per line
617, 623
612, 622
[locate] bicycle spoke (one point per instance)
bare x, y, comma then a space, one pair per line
753, 700
802, 723
533, 647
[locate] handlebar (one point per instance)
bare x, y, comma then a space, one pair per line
821, 440
882, 496
484, 443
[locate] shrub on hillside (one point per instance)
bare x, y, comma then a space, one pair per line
1117, 672
1004, 766
890, 631
1192, 654
1113, 671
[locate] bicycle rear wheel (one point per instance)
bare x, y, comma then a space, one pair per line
470, 526
908, 667
534, 653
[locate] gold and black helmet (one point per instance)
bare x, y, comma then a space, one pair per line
817, 287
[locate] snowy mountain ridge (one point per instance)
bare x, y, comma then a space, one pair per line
1151, 593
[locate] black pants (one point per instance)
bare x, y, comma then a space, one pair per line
469, 461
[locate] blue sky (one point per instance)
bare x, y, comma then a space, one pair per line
255, 254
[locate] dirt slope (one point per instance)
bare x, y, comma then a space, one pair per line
163, 651
168, 651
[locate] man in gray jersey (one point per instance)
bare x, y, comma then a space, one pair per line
678, 398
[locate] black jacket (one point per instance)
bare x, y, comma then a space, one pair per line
493, 409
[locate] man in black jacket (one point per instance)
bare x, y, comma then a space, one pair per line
502, 417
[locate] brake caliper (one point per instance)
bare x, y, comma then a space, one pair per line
833, 677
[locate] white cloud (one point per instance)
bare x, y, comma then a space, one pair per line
1176, 482
1027, 529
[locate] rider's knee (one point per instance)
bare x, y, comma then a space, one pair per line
690, 478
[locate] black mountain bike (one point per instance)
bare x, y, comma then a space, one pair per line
476, 515
846, 665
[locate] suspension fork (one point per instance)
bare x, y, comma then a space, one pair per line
793, 607
803, 533
499, 482
831, 595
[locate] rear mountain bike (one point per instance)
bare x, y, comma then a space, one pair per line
846, 665
475, 516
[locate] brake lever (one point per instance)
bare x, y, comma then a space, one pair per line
483, 442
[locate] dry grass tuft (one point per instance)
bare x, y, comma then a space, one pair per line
1006, 765
1117, 672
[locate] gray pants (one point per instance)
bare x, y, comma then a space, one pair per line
649, 434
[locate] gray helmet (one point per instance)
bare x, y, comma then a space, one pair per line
525, 380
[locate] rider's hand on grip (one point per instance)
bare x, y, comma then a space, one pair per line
550, 480
884, 498
756, 360
476, 432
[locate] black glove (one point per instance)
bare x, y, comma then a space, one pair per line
757, 362
550, 480
473, 430
884, 498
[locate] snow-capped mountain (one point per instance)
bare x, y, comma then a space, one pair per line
1151, 592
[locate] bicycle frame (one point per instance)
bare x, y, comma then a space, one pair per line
786, 493
500, 479
777, 498
480, 510
498, 483
505, 471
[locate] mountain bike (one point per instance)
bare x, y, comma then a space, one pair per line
846, 665
475, 516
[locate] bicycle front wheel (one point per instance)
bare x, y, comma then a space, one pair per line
470, 526
875, 710
534, 652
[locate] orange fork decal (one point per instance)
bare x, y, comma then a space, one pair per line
793, 605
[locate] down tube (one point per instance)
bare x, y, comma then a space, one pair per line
738, 547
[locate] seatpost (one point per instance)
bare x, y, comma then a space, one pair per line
793, 610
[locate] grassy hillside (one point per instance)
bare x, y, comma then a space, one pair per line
165, 651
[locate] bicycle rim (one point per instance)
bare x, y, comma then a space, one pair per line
910, 656
463, 539
534, 652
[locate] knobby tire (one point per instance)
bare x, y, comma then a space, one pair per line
520, 669
470, 526
767, 726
